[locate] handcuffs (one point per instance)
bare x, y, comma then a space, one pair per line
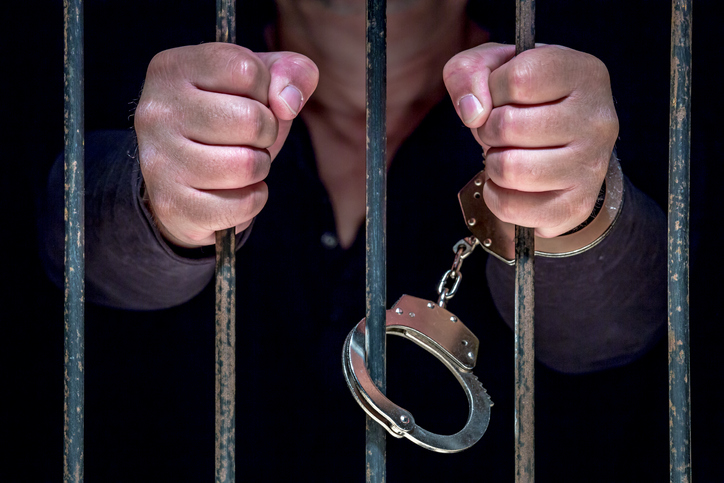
431, 326
444, 336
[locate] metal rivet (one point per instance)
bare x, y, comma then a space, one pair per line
487, 242
471, 355
404, 419
471, 221
430, 305
477, 195
453, 319
398, 311
478, 182
412, 314
465, 342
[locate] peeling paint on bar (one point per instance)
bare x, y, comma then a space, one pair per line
376, 231
524, 299
678, 258
225, 453
74, 213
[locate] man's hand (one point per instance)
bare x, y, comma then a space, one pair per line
547, 124
211, 119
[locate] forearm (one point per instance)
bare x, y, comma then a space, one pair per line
128, 263
602, 308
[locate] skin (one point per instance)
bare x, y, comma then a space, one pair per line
212, 117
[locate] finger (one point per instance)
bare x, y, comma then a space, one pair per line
466, 79
223, 119
221, 209
551, 213
535, 170
215, 67
191, 216
543, 125
221, 167
294, 78
544, 74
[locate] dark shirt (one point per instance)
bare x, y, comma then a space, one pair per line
299, 295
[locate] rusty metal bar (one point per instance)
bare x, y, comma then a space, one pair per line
74, 283
376, 221
524, 299
678, 249
225, 456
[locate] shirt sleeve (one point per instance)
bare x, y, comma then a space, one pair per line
602, 308
129, 265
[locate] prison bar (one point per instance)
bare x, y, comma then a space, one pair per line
524, 299
678, 247
74, 279
225, 380
678, 244
376, 227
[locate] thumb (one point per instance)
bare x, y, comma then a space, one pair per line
466, 79
294, 78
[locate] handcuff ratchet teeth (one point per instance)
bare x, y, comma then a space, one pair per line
443, 335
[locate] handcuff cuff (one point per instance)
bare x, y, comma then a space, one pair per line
431, 326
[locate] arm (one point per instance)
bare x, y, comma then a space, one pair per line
604, 307
128, 262
210, 120
546, 122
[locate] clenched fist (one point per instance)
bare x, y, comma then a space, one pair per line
210, 120
547, 125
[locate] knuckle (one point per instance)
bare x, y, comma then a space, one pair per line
508, 168
150, 113
520, 79
250, 165
596, 68
507, 126
459, 66
239, 64
246, 70
257, 124
511, 167
161, 63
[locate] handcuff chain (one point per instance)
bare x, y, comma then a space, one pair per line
450, 281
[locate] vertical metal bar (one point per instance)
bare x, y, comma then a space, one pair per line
225, 308
678, 280
74, 284
376, 200
524, 299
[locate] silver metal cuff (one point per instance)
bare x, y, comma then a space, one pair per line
444, 336
498, 238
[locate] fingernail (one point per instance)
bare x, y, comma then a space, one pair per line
292, 98
470, 108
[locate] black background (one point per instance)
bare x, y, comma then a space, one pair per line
630, 36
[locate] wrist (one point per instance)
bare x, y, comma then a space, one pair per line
498, 237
